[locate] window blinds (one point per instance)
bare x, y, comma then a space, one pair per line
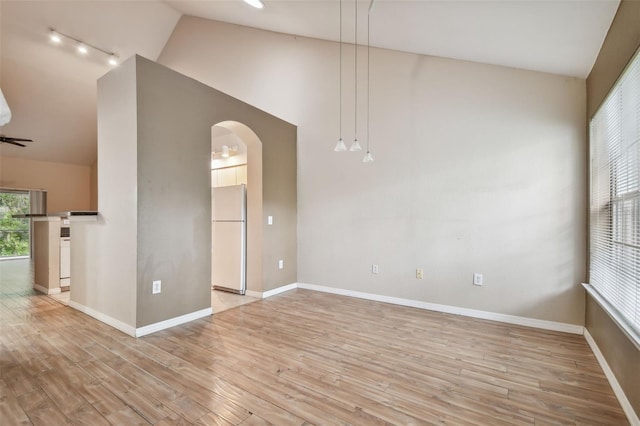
614, 269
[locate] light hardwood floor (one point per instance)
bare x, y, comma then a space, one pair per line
220, 300
298, 358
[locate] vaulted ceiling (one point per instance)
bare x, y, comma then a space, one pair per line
52, 91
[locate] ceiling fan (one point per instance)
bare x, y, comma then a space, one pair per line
14, 141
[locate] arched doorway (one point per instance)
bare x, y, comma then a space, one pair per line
236, 161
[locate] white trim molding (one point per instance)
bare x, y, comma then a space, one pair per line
14, 257
272, 292
117, 324
509, 319
251, 293
614, 315
279, 290
172, 322
45, 290
617, 389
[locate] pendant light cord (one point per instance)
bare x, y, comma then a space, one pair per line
355, 44
368, 76
340, 69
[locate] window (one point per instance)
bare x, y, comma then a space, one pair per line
14, 232
614, 266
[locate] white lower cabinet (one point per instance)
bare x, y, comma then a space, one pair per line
65, 262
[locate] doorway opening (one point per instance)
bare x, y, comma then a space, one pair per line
235, 150
15, 235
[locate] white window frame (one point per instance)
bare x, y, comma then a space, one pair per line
619, 297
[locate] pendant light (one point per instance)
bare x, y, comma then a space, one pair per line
340, 146
355, 146
368, 158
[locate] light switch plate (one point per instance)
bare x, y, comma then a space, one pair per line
269, 220
157, 287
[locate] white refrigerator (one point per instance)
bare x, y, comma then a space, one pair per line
229, 238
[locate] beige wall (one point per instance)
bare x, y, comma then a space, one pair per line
478, 168
621, 43
68, 185
103, 254
93, 204
622, 356
175, 115
154, 156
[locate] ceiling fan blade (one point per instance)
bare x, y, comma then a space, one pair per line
10, 139
13, 143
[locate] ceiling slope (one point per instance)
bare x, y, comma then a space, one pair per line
52, 92
554, 36
50, 89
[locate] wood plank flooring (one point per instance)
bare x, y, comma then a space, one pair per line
295, 359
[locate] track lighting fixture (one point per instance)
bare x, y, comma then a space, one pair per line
82, 47
55, 37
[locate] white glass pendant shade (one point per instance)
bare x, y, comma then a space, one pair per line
368, 158
355, 146
340, 146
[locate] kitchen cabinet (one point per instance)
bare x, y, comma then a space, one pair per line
229, 176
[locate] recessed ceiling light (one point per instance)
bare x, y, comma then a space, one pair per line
255, 3
113, 60
82, 49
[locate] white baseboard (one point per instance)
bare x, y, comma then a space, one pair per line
617, 390
279, 290
142, 331
509, 319
45, 290
117, 324
251, 293
272, 292
152, 328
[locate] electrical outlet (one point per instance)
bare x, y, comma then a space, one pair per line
478, 279
269, 220
157, 287
374, 269
419, 273
280, 264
